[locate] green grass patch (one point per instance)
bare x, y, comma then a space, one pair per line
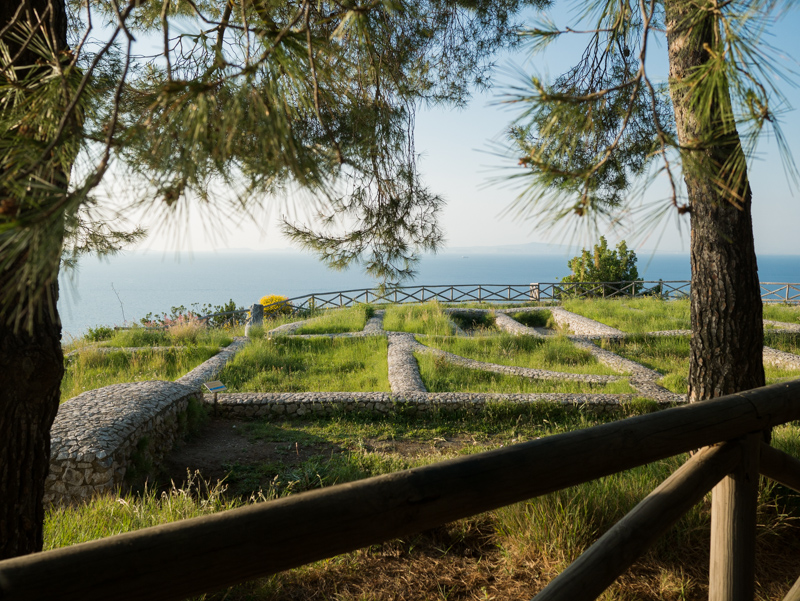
543, 533
669, 355
788, 342
283, 364
91, 369
635, 315
535, 319
785, 313
439, 375
476, 323
179, 335
334, 321
427, 318
555, 353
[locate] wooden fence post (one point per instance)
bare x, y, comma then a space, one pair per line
733, 529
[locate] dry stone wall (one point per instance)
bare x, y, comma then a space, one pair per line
100, 435
102, 438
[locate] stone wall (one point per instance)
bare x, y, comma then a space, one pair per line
103, 439
102, 436
283, 405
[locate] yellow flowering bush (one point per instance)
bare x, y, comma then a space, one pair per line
271, 309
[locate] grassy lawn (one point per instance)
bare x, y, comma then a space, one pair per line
535, 319
788, 342
477, 325
670, 356
556, 353
635, 315
427, 318
441, 376
91, 369
787, 313
282, 364
508, 553
180, 335
334, 321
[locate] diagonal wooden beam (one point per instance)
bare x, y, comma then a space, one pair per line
780, 466
615, 551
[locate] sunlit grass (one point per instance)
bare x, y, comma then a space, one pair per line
669, 355
427, 318
439, 375
283, 364
787, 313
555, 353
91, 368
783, 341
635, 315
333, 321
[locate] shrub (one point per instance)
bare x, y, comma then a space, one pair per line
99, 334
275, 304
185, 330
604, 265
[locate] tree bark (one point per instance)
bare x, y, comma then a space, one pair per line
31, 359
726, 310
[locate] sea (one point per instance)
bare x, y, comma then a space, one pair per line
123, 289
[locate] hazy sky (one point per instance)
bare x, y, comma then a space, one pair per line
458, 163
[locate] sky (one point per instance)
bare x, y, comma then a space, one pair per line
458, 161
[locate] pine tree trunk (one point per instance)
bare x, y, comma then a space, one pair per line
727, 328
31, 361
29, 397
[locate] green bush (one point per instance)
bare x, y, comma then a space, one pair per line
99, 334
604, 265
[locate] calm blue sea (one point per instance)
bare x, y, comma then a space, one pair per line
153, 282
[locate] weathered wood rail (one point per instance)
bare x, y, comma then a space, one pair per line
771, 292
198, 555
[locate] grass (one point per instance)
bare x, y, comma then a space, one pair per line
427, 318
670, 356
508, 553
91, 369
786, 313
439, 375
555, 353
333, 321
535, 319
184, 334
475, 324
282, 364
783, 341
635, 315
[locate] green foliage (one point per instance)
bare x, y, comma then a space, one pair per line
439, 375
603, 265
333, 321
282, 364
587, 138
554, 353
535, 319
427, 318
98, 334
634, 315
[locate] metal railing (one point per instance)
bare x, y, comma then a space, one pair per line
193, 556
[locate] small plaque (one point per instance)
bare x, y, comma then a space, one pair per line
215, 386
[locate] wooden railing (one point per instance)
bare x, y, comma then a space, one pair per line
771, 292
193, 556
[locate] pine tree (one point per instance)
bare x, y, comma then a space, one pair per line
240, 101
592, 134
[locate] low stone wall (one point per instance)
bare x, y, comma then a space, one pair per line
282, 405
102, 435
105, 438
